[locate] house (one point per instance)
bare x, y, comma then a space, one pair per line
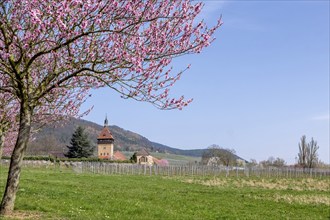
143, 157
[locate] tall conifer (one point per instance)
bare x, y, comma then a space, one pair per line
80, 145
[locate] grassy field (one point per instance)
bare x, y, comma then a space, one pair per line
54, 194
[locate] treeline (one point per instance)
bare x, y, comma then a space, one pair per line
307, 157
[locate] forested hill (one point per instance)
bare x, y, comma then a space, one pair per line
193, 153
54, 138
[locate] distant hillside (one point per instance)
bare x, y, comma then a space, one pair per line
53, 139
167, 149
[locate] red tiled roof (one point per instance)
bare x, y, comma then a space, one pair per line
105, 134
119, 156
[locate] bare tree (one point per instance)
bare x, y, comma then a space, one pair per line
279, 162
217, 155
312, 157
267, 163
307, 156
209, 155
228, 157
302, 155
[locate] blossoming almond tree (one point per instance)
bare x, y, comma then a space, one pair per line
50, 47
62, 109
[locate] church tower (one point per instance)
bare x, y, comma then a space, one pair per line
105, 142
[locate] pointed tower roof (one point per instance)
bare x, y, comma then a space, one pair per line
105, 133
106, 121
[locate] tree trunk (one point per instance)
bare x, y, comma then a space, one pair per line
2, 142
8, 200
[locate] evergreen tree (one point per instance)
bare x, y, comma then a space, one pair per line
133, 158
80, 145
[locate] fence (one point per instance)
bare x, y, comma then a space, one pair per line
179, 170
197, 170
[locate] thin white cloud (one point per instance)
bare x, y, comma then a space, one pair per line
324, 117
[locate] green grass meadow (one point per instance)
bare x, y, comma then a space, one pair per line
63, 194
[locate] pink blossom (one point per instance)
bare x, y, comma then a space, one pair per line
62, 49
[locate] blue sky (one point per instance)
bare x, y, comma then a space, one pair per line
257, 89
